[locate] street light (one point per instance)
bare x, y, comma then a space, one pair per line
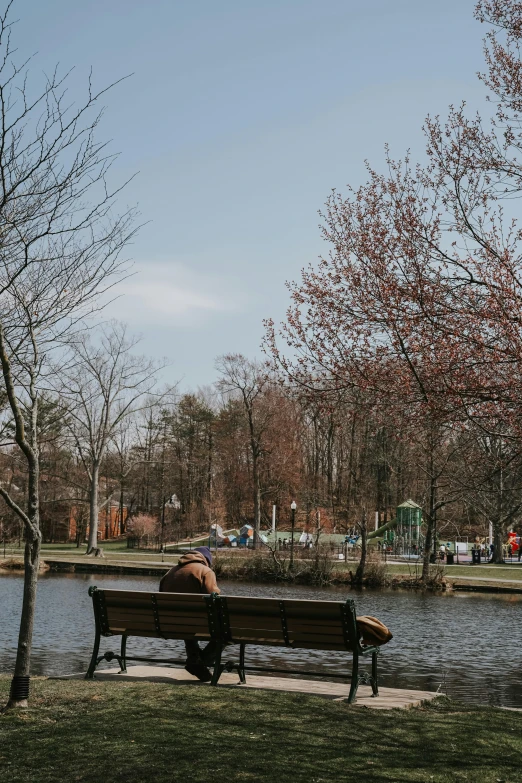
172, 502
293, 506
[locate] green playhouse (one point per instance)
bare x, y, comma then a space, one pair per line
409, 520
403, 532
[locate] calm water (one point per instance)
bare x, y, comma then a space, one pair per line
466, 644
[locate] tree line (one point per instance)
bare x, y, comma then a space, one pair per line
231, 451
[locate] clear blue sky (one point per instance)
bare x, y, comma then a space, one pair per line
240, 118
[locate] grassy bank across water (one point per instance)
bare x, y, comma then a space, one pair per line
262, 567
319, 570
140, 732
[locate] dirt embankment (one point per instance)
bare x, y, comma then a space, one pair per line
16, 564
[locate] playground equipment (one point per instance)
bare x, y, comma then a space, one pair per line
232, 538
514, 541
402, 534
409, 520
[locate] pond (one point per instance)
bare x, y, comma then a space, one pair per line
466, 645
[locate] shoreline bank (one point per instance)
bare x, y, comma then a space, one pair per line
471, 584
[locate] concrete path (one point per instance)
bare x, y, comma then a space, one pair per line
478, 578
388, 698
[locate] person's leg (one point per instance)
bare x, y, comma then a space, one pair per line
194, 663
193, 650
208, 653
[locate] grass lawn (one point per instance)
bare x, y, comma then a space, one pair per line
112, 551
111, 546
478, 572
140, 732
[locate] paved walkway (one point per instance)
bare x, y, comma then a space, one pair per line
479, 578
388, 698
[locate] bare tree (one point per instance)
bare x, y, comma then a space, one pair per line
59, 250
243, 378
102, 385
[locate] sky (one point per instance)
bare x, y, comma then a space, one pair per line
239, 118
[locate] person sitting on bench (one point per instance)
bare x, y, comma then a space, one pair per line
193, 574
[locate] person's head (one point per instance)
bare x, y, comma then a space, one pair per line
205, 551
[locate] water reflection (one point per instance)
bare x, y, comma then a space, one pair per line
468, 644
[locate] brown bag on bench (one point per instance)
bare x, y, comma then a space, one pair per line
373, 632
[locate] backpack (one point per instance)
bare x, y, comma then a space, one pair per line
373, 632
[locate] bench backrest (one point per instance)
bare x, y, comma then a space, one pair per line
316, 625
157, 615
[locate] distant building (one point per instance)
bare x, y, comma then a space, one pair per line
63, 522
110, 521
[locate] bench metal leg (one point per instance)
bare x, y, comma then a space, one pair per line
231, 666
218, 668
355, 679
107, 656
94, 657
123, 653
241, 668
375, 683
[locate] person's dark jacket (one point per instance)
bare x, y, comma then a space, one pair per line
191, 575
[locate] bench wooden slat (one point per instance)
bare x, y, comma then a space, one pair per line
136, 629
324, 630
148, 634
195, 603
334, 637
304, 602
276, 623
275, 632
129, 623
340, 647
164, 598
321, 611
190, 609
273, 623
260, 621
268, 640
317, 613
312, 638
298, 645
146, 594
262, 606
164, 616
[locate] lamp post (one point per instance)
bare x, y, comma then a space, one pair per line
293, 506
162, 537
172, 502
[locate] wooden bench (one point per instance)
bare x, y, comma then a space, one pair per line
232, 620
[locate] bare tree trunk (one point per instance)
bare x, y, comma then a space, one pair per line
19, 692
431, 531
498, 540
93, 508
20, 682
427, 549
363, 527
257, 497
122, 521
498, 521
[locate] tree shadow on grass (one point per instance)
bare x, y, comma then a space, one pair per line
136, 732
